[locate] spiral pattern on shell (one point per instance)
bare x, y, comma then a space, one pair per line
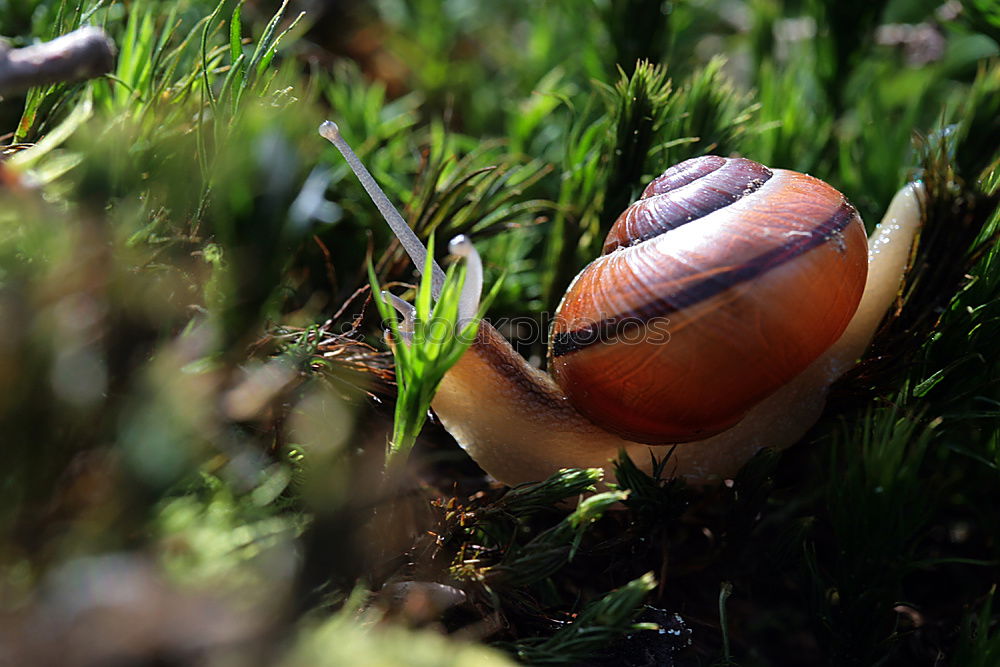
720, 284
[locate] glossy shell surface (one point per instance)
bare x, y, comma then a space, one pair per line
723, 282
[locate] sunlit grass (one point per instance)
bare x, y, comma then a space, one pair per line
429, 345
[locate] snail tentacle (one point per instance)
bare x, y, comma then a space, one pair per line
405, 310
472, 289
414, 248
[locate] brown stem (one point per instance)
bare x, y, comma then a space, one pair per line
81, 54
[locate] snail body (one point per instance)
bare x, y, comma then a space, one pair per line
727, 300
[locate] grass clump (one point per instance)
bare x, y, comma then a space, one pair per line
431, 342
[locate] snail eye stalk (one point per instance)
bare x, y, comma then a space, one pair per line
414, 248
472, 289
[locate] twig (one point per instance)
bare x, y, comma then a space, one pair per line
725, 591
81, 54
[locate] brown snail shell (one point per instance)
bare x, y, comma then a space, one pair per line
723, 282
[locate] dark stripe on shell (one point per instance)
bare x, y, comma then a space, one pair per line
683, 173
668, 204
697, 292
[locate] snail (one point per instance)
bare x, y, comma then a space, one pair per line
727, 300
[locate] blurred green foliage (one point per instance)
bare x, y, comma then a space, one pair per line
191, 380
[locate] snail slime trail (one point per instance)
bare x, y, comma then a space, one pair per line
770, 290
